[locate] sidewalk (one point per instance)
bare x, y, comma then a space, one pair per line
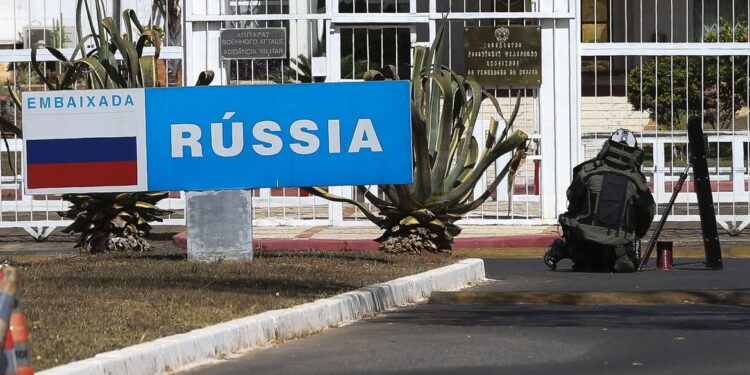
371, 232
479, 241
681, 233
361, 238
474, 240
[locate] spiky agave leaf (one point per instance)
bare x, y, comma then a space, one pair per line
320, 192
205, 78
448, 160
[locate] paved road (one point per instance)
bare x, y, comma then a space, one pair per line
533, 339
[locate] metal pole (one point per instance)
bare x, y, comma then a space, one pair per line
660, 226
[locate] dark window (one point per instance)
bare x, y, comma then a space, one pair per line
594, 21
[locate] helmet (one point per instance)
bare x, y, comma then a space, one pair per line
625, 137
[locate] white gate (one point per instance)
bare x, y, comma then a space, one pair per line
338, 40
603, 63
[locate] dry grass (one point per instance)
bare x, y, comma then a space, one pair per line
79, 305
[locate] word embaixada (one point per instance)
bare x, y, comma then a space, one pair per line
81, 101
268, 141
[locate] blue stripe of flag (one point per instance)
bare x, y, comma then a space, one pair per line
80, 150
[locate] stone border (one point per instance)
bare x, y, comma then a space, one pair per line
175, 352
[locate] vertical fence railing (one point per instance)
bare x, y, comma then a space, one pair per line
52, 22
651, 67
335, 40
368, 35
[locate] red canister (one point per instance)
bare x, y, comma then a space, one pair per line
664, 255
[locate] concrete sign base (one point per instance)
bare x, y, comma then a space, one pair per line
219, 225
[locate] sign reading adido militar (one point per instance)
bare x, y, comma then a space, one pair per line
217, 137
265, 43
503, 55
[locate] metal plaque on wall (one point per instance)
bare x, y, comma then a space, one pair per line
259, 43
503, 55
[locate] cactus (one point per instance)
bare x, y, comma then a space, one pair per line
448, 161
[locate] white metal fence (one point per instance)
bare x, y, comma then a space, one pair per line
649, 66
603, 62
335, 40
338, 40
25, 22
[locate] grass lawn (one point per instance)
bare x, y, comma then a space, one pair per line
80, 305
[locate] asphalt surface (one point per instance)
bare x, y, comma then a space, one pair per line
485, 338
688, 274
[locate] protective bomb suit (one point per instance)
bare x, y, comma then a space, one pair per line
609, 209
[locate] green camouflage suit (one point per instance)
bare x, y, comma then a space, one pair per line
609, 208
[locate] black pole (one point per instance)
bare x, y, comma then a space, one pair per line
698, 147
664, 215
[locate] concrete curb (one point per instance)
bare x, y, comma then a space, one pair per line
318, 244
178, 351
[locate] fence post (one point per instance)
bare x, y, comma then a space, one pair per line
659, 170
336, 209
559, 128
738, 170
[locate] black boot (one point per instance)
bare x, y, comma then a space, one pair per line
624, 264
625, 254
555, 253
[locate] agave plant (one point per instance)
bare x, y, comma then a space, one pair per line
99, 67
448, 161
112, 221
298, 70
108, 221
7, 127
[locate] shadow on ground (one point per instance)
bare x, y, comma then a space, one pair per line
709, 318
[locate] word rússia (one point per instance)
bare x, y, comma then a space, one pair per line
266, 138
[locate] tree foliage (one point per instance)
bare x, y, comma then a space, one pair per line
673, 88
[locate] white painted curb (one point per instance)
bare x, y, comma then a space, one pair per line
174, 352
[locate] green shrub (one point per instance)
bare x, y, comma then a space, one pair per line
671, 89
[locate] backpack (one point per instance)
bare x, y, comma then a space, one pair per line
609, 201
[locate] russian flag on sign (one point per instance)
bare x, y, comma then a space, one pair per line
93, 139
55, 163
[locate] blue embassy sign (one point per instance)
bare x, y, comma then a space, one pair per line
206, 138
233, 137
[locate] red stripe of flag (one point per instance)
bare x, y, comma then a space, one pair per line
57, 175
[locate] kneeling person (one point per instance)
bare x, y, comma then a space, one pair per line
609, 209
